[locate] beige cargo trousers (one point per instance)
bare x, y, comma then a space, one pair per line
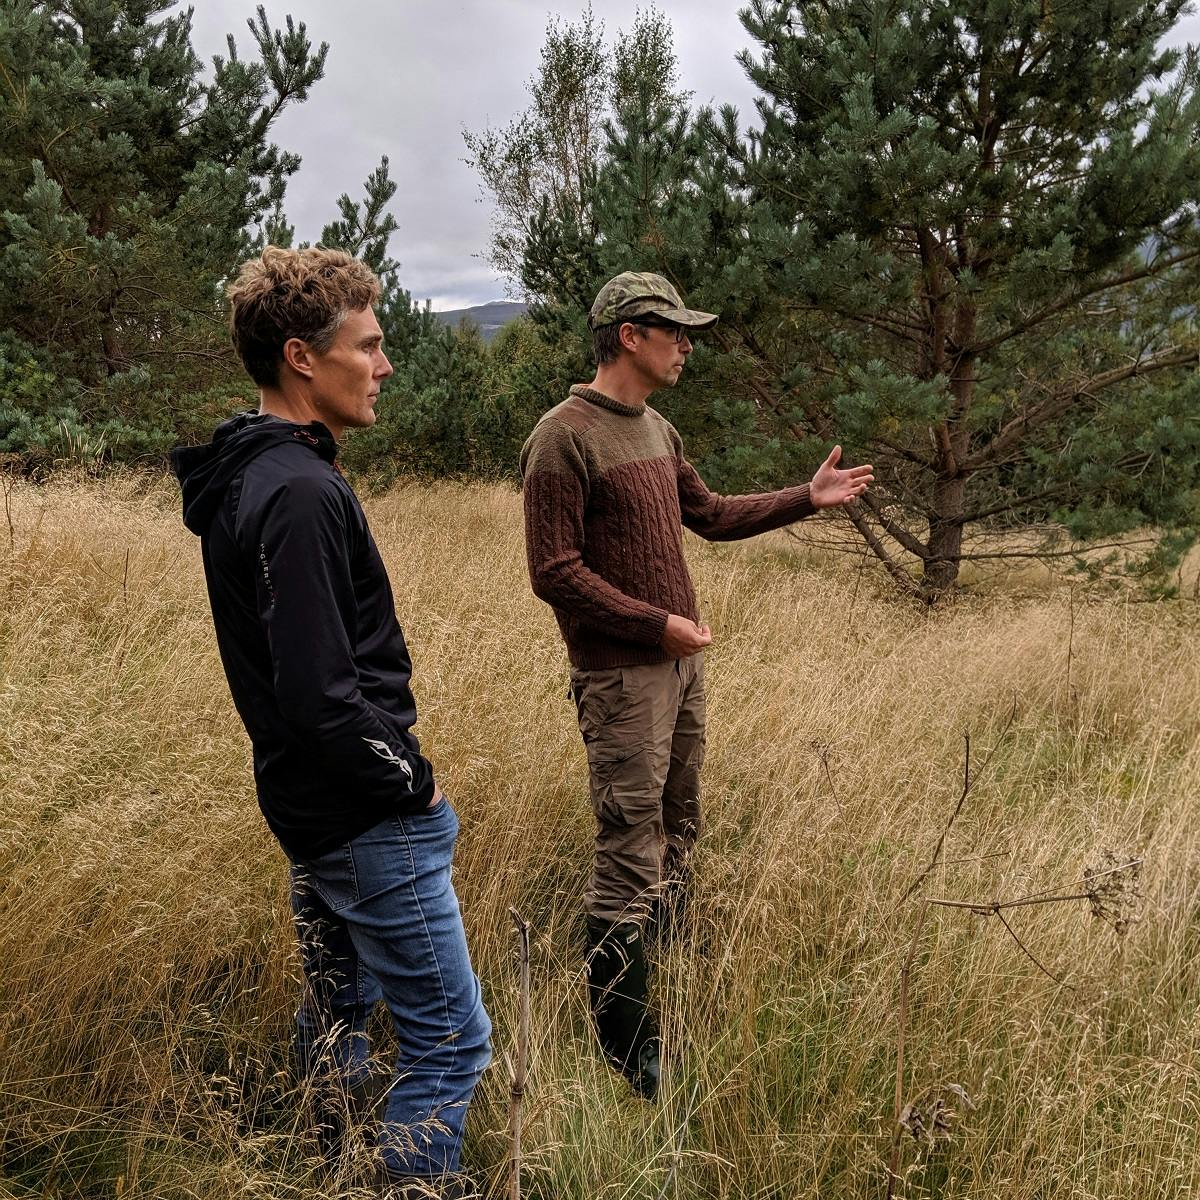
643, 727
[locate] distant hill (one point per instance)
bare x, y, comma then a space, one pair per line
488, 318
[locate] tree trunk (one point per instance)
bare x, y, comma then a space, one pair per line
98, 227
114, 357
949, 490
945, 537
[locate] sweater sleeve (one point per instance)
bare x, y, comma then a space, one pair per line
555, 492
727, 518
306, 603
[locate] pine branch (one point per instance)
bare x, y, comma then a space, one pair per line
985, 556
910, 543
1060, 402
1007, 506
904, 453
1149, 271
766, 397
893, 568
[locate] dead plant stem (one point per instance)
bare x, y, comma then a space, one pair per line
901, 1036
1029, 953
968, 782
988, 907
12, 531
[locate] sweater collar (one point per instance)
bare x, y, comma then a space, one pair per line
602, 401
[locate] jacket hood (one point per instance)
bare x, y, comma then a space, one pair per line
205, 472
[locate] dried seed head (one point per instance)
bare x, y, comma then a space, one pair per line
1114, 889
934, 1113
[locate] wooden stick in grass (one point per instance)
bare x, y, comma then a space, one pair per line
901, 1031
517, 1093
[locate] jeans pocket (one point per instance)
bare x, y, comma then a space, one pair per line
444, 812
429, 825
332, 876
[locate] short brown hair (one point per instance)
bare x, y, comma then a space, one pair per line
606, 340
606, 343
286, 294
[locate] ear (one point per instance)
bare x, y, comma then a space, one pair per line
628, 333
298, 355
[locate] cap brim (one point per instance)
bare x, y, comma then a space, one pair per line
689, 318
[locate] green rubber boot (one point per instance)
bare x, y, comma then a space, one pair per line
628, 1032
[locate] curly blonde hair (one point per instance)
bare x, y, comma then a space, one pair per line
286, 294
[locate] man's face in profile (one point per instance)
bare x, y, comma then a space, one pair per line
346, 379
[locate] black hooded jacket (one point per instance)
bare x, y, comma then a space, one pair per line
307, 631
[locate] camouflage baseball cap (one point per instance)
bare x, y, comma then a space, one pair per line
634, 294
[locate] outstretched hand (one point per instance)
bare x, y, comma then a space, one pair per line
831, 486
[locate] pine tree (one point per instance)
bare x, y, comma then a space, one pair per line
962, 242
1001, 201
130, 185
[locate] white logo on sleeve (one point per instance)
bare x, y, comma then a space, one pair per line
388, 755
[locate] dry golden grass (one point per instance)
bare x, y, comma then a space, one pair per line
147, 972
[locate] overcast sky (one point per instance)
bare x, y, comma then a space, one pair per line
404, 77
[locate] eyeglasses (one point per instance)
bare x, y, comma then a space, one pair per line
680, 331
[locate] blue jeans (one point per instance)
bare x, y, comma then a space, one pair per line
377, 918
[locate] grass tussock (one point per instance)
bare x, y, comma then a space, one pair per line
148, 974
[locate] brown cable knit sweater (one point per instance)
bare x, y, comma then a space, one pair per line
606, 489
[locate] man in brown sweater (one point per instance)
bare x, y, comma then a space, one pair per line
607, 487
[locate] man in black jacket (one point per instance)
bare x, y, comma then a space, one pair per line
319, 672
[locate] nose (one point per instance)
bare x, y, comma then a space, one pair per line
685, 346
383, 368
